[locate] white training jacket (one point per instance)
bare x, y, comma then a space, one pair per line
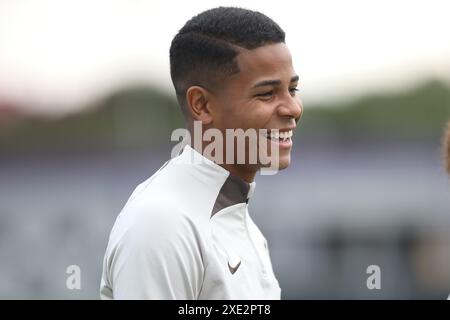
185, 233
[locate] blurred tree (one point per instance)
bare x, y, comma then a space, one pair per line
137, 118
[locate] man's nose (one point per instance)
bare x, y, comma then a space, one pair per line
291, 107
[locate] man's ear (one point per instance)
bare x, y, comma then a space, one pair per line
198, 104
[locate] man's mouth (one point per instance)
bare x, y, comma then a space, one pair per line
278, 136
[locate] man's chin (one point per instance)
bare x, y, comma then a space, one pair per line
282, 163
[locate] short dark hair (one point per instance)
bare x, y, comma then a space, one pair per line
203, 52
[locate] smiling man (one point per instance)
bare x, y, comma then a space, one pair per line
186, 232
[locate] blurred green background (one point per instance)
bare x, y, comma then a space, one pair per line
139, 117
366, 187
87, 110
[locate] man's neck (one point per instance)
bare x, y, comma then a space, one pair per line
237, 170
248, 176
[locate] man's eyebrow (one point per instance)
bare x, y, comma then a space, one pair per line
273, 82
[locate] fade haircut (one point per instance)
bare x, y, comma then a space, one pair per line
204, 50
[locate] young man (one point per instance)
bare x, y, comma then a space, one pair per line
186, 232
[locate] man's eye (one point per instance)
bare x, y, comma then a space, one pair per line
267, 94
293, 91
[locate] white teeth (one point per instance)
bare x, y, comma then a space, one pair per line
283, 135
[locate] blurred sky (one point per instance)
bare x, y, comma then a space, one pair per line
56, 55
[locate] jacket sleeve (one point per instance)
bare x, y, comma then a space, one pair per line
159, 256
